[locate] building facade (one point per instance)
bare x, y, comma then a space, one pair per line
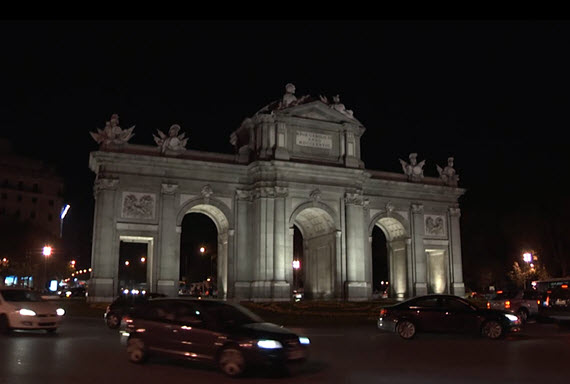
30, 191
297, 163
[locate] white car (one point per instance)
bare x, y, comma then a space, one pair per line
22, 308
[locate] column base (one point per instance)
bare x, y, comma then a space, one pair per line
101, 290
458, 289
167, 287
270, 290
358, 290
420, 289
242, 290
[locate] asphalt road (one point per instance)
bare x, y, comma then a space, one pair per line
85, 351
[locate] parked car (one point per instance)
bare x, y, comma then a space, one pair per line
556, 306
445, 313
123, 305
524, 304
73, 292
228, 335
22, 308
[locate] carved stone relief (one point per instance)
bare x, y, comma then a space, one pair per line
137, 205
435, 225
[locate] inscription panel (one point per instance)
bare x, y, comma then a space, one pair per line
313, 140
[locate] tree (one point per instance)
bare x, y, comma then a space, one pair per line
520, 275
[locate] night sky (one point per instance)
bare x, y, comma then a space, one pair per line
494, 95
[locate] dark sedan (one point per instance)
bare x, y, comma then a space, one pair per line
209, 330
125, 304
445, 313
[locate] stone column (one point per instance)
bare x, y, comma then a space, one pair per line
458, 286
229, 266
243, 264
281, 289
105, 248
418, 251
340, 270
355, 239
169, 243
411, 268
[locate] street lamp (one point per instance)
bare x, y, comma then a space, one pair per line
46, 253
61, 217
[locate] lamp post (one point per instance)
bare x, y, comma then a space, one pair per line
46, 253
296, 266
61, 217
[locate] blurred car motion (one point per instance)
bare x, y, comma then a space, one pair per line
556, 305
524, 304
125, 304
228, 335
446, 314
73, 292
22, 308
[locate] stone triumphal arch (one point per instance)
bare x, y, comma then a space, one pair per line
297, 164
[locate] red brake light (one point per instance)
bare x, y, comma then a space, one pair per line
488, 305
383, 312
564, 286
499, 292
507, 304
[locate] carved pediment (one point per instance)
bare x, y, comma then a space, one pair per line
318, 110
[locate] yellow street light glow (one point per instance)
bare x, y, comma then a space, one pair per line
143, 259
47, 251
127, 263
202, 249
527, 257
296, 264
90, 269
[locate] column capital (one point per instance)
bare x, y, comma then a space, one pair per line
354, 198
169, 189
454, 211
242, 194
417, 208
106, 184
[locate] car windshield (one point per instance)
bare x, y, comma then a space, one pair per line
15, 295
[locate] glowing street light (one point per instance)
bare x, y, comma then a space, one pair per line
143, 259
47, 253
202, 249
296, 264
527, 257
127, 263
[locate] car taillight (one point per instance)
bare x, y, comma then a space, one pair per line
383, 312
507, 304
488, 305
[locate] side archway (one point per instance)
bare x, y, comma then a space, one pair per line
396, 231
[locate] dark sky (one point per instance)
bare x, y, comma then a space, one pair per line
495, 95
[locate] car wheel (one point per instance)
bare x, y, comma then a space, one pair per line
113, 321
523, 314
492, 329
136, 350
232, 362
406, 329
4, 325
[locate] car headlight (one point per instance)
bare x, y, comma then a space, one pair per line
27, 312
304, 340
60, 311
269, 344
512, 318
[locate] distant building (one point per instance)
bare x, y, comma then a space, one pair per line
30, 191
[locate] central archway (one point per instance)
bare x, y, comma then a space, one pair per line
318, 232
215, 211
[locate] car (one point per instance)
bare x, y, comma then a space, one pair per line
208, 330
123, 305
22, 308
556, 306
524, 304
445, 313
73, 292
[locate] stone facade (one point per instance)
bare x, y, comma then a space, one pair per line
297, 164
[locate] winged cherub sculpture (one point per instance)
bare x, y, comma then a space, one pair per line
448, 174
414, 170
112, 134
173, 142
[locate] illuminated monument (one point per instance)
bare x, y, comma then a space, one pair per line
297, 163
